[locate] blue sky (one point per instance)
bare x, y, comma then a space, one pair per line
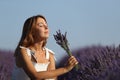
87, 22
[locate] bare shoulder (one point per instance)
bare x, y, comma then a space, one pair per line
51, 54
23, 51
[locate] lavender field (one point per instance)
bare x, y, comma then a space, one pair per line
95, 63
6, 64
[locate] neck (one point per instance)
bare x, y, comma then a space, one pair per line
37, 46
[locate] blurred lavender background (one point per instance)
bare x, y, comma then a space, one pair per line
87, 22
6, 64
95, 63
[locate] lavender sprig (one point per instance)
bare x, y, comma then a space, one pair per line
61, 40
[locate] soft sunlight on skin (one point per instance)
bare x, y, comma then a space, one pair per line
31, 53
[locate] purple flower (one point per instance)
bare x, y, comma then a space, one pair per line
61, 40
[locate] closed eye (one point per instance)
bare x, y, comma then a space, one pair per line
40, 24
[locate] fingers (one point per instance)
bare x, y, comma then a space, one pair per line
72, 61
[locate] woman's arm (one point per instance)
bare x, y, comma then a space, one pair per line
51, 66
31, 72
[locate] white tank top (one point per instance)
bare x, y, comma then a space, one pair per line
19, 74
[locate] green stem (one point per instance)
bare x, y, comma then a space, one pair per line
70, 54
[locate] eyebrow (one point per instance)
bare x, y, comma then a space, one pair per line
42, 23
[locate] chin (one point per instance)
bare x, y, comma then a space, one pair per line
46, 37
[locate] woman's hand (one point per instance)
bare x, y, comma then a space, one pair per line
71, 63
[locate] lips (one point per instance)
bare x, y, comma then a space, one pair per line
46, 32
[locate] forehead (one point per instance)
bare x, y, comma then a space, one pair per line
39, 20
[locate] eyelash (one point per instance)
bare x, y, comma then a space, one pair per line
41, 25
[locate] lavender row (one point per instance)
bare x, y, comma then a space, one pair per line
6, 64
95, 63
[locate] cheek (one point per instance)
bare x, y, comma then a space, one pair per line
42, 33
38, 32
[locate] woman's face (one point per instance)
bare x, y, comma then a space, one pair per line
41, 29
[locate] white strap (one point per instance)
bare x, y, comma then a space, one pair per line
47, 53
28, 50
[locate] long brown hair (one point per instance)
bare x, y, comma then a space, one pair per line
27, 36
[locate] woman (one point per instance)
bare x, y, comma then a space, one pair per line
31, 55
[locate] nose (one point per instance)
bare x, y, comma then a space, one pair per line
46, 26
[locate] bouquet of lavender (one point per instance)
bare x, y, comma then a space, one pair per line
63, 42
